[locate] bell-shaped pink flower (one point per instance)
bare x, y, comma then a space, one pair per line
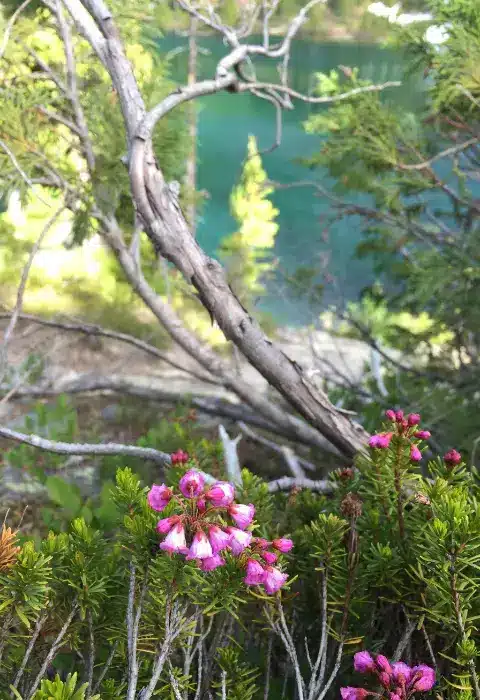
239, 539
399, 416
165, 524
385, 679
191, 484
211, 563
452, 457
423, 434
283, 544
274, 579
415, 454
401, 672
255, 573
413, 419
363, 662
350, 693
423, 678
241, 514
383, 664
395, 696
390, 414
175, 540
381, 440
269, 557
159, 497
200, 547
221, 494
219, 539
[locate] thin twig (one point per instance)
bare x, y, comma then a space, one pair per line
106, 666
9, 27
38, 628
52, 653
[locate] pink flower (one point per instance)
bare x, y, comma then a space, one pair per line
394, 696
159, 497
452, 457
218, 539
269, 557
383, 664
191, 484
274, 579
350, 693
283, 544
255, 573
211, 563
399, 416
202, 505
165, 524
422, 434
363, 662
241, 514
401, 672
239, 539
200, 547
423, 678
262, 543
413, 419
175, 540
415, 454
390, 414
221, 494
381, 440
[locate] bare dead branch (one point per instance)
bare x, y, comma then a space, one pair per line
285, 483
325, 99
232, 463
72, 448
98, 331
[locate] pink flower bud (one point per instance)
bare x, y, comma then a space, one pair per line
384, 679
395, 696
390, 414
363, 662
241, 514
283, 544
179, 457
274, 579
175, 540
191, 484
159, 497
452, 457
200, 547
383, 664
202, 505
255, 573
413, 419
423, 678
399, 416
218, 538
211, 563
165, 524
415, 454
262, 543
269, 557
422, 434
350, 693
220, 494
239, 539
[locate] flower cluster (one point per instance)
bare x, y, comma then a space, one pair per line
201, 530
398, 680
407, 427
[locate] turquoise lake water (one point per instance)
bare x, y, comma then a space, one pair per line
226, 120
